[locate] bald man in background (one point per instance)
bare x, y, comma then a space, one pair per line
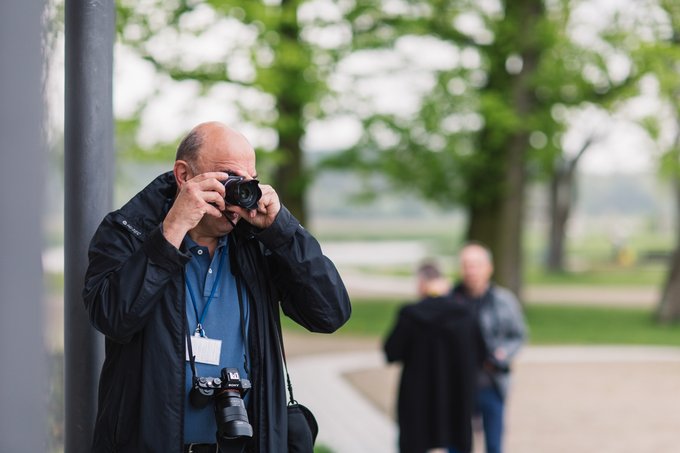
503, 332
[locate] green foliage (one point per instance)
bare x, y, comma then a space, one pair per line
489, 114
499, 111
128, 148
369, 318
647, 276
658, 59
272, 59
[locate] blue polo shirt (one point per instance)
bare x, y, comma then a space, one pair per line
221, 321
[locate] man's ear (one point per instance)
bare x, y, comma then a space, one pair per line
182, 172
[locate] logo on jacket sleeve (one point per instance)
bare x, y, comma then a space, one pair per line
131, 228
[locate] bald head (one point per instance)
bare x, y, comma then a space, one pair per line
211, 140
476, 268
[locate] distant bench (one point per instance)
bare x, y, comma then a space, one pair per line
656, 256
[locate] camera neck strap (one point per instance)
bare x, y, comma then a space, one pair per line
192, 358
274, 319
241, 306
276, 327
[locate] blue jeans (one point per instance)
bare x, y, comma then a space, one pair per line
490, 405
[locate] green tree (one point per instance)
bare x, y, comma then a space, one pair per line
467, 143
489, 120
579, 76
658, 59
272, 59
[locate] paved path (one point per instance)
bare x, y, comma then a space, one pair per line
564, 399
348, 422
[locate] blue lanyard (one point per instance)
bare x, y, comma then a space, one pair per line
199, 326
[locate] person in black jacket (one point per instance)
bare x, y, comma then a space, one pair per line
436, 341
177, 262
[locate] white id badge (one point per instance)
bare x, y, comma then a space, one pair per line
206, 350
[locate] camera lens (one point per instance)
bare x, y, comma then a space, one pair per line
245, 193
242, 193
231, 415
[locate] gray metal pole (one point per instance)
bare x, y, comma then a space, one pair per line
23, 386
88, 176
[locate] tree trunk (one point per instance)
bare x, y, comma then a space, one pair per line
482, 225
668, 310
498, 221
561, 199
290, 179
509, 262
560, 205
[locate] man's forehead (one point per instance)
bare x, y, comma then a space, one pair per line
227, 159
474, 252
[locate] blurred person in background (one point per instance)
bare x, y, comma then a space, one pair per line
501, 324
194, 261
436, 342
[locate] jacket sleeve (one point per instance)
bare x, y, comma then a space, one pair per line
513, 326
397, 341
126, 277
311, 290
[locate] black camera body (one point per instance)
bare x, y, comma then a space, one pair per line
226, 392
239, 192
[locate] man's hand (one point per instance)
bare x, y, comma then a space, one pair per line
500, 354
267, 208
497, 363
199, 196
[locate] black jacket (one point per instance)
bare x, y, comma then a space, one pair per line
437, 342
134, 293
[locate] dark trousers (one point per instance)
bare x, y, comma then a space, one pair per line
490, 406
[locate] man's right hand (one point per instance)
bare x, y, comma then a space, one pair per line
199, 196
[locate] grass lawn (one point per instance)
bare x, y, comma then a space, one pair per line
561, 324
548, 324
601, 275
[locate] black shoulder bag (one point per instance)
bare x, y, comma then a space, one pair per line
302, 426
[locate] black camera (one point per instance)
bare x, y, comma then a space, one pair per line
226, 392
239, 192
